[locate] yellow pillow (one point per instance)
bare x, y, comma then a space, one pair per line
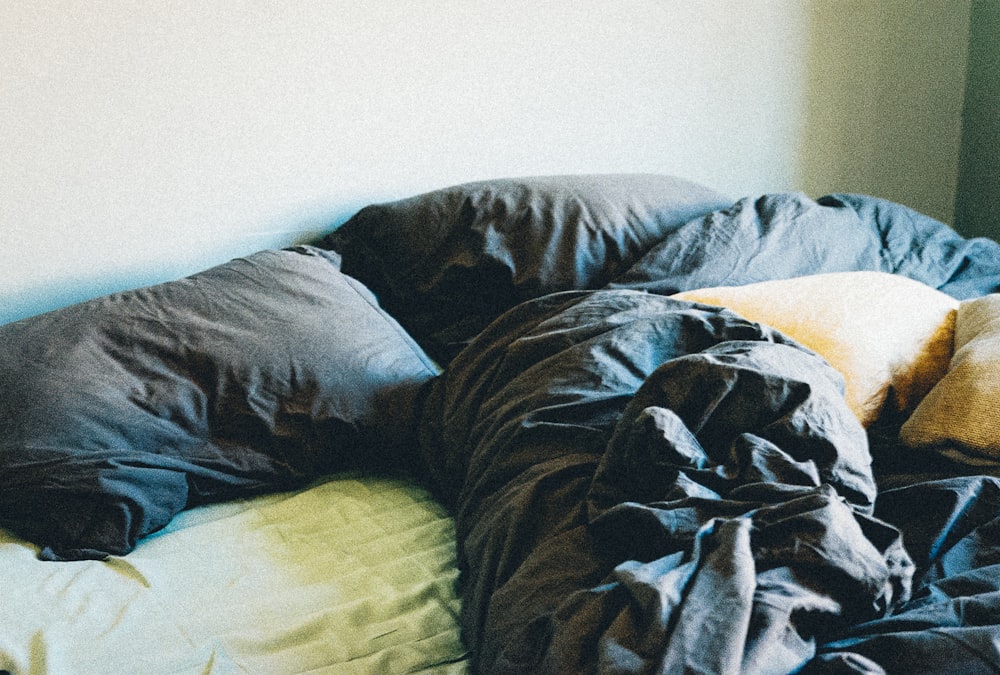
963, 409
889, 336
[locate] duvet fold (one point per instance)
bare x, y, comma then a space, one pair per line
648, 485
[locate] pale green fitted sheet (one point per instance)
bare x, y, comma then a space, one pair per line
353, 575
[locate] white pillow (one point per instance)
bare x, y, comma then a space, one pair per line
963, 410
888, 335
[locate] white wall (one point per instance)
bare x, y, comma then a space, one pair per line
143, 141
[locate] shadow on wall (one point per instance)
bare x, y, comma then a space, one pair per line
977, 205
885, 84
196, 256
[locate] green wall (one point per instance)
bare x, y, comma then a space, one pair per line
977, 203
884, 96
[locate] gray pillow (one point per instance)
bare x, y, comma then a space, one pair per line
448, 262
258, 374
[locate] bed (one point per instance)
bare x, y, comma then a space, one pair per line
608, 423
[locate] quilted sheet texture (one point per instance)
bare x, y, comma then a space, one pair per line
354, 575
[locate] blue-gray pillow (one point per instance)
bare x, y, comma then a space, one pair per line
258, 374
446, 263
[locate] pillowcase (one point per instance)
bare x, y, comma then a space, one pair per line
889, 336
963, 409
261, 373
788, 235
448, 262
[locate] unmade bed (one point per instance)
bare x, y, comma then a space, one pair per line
615, 423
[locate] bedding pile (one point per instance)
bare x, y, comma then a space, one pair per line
667, 425
657, 484
646, 483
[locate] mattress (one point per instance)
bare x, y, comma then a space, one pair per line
354, 574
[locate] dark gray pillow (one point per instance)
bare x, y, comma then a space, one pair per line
448, 262
261, 373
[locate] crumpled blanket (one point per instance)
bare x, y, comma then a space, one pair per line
646, 485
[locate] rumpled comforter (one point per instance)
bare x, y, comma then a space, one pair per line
646, 485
